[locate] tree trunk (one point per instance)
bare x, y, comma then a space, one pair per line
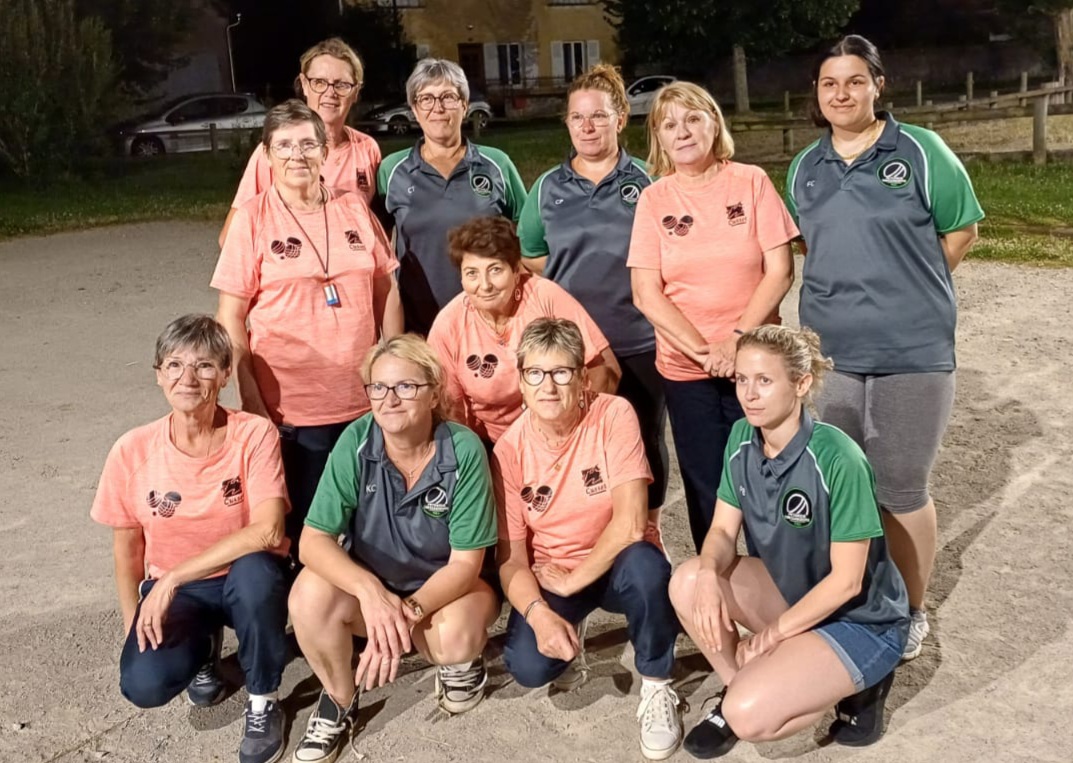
1063, 43
741, 81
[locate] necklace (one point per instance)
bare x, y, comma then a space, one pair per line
175, 441
870, 137
429, 449
331, 294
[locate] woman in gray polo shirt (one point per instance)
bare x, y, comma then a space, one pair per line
887, 212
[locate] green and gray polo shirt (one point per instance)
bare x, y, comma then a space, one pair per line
817, 491
584, 230
876, 286
425, 206
404, 536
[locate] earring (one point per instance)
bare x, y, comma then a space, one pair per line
517, 294
581, 403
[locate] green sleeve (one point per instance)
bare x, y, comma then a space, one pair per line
739, 435
642, 165
951, 198
515, 189
387, 166
531, 225
791, 178
852, 486
336, 498
471, 523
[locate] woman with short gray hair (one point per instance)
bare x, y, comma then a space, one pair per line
442, 182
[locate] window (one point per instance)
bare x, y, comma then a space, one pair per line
573, 59
649, 84
510, 63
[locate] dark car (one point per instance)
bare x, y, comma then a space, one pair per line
183, 124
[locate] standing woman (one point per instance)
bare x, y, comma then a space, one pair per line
575, 229
878, 289
330, 80
441, 182
710, 259
309, 269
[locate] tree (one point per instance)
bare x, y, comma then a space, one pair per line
1059, 14
691, 35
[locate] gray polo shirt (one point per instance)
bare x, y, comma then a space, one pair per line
817, 491
584, 229
404, 536
425, 206
876, 285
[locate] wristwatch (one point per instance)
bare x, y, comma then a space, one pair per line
416, 608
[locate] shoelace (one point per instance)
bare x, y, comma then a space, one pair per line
662, 701
207, 675
468, 679
257, 721
323, 731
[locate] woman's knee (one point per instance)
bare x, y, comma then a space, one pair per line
458, 640
256, 579
749, 717
145, 687
683, 581
312, 601
643, 569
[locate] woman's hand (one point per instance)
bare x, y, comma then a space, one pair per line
388, 631
710, 614
761, 643
722, 357
555, 637
149, 624
555, 578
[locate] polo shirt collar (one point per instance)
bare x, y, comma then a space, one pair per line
416, 163
624, 165
444, 460
888, 139
789, 455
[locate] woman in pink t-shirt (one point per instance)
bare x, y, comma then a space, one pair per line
710, 259
330, 80
196, 502
571, 482
476, 332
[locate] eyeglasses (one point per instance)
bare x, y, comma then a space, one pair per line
341, 87
534, 376
428, 101
598, 119
402, 390
174, 369
286, 150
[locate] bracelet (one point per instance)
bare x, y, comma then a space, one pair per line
533, 603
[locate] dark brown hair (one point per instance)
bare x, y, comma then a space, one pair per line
489, 237
850, 45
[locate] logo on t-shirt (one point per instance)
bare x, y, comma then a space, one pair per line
163, 504
354, 240
736, 214
630, 192
537, 500
232, 490
676, 226
434, 503
797, 508
482, 367
894, 173
363, 180
481, 184
594, 481
290, 249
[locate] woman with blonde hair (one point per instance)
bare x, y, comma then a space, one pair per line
710, 259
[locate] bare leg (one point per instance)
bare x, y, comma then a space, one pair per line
457, 632
911, 538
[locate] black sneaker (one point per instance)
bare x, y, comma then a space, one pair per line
262, 736
712, 737
208, 686
461, 687
327, 731
860, 715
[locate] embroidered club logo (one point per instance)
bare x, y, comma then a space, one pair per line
232, 490
895, 173
354, 240
482, 367
538, 499
630, 192
481, 184
288, 249
163, 504
434, 503
677, 227
797, 508
736, 214
593, 480
363, 180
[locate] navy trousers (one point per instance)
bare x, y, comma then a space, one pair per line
635, 586
251, 598
305, 452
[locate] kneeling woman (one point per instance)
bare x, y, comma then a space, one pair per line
571, 481
412, 497
828, 608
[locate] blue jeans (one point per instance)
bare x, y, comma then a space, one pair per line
635, 586
867, 654
251, 598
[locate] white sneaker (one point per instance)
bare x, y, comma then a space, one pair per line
661, 724
461, 687
918, 631
578, 669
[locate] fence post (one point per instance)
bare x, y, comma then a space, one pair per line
788, 141
994, 99
962, 103
968, 86
786, 102
1024, 89
214, 140
920, 93
1039, 131
475, 123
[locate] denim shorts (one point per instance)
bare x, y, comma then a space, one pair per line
868, 655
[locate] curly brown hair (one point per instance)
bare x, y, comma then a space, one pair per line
489, 237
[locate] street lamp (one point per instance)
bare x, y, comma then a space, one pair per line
230, 55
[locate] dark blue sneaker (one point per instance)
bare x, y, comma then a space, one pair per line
208, 687
262, 735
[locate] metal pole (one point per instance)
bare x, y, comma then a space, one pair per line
230, 54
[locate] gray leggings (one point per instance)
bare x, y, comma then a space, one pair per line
899, 421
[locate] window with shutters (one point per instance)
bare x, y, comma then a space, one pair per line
510, 59
573, 59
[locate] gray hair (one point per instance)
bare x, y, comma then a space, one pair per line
431, 70
290, 114
550, 335
197, 332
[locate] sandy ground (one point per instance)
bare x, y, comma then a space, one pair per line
79, 314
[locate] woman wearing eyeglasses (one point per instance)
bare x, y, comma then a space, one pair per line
305, 290
441, 182
411, 495
330, 80
196, 502
571, 481
475, 335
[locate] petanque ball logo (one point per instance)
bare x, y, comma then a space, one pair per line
630, 192
354, 240
797, 509
290, 248
537, 500
677, 227
481, 184
482, 367
895, 173
232, 490
163, 504
435, 503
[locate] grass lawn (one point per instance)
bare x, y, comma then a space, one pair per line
1024, 204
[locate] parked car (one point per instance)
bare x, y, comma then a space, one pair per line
182, 125
400, 119
641, 92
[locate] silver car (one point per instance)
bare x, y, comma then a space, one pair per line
642, 92
182, 125
400, 119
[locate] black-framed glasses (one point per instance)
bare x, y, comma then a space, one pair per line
428, 101
598, 118
534, 376
341, 87
173, 369
402, 390
286, 150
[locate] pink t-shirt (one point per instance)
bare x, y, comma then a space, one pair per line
559, 499
349, 167
480, 367
708, 245
306, 353
183, 504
